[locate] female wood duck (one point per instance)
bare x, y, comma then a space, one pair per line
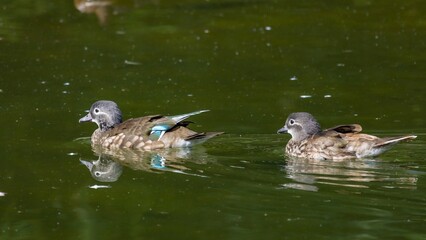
144, 133
340, 142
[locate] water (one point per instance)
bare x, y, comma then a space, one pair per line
251, 63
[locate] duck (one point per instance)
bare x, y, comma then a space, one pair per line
341, 142
143, 133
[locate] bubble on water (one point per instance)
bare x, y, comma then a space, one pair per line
327, 96
305, 96
268, 28
66, 83
294, 78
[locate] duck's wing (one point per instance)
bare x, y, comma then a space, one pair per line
329, 145
180, 118
133, 133
135, 126
347, 128
163, 124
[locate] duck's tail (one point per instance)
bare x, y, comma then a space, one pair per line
202, 137
382, 145
389, 141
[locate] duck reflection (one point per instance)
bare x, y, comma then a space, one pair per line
103, 8
109, 165
309, 174
104, 169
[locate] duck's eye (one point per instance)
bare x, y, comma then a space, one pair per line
96, 110
291, 122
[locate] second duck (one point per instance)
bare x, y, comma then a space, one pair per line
340, 142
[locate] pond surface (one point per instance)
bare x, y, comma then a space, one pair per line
251, 63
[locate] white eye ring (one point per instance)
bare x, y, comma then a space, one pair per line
291, 122
96, 110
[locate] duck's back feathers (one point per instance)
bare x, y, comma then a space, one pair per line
151, 132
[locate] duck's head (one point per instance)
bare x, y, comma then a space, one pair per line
105, 114
300, 125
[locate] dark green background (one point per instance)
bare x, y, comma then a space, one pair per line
359, 61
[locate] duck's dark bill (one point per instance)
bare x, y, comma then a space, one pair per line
283, 130
86, 118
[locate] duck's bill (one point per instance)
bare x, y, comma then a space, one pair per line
282, 130
88, 164
86, 118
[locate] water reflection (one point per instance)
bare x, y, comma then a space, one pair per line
109, 165
103, 9
309, 174
104, 169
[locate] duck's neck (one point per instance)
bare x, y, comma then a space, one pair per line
104, 126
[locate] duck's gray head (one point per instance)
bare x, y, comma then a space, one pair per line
105, 114
300, 125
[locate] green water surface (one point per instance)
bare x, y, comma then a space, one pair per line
251, 63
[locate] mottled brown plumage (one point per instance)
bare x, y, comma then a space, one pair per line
340, 142
144, 133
